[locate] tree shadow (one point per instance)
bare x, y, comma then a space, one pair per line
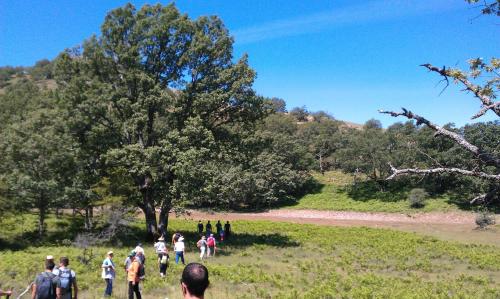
382, 191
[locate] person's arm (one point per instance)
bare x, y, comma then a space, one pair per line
58, 293
33, 291
8, 293
75, 289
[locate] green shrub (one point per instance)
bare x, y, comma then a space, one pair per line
484, 219
417, 198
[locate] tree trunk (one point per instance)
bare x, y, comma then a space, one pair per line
148, 208
88, 218
42, 210
163, 225
321, 164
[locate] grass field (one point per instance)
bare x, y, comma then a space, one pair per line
282, 260
336, 194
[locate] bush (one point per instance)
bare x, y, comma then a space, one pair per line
417, 198
484, 219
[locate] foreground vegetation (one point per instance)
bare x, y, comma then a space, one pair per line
280, 260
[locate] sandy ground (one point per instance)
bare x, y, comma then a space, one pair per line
454, 226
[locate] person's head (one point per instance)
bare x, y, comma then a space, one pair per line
199, 221
203, 237
227, 222
208, 221
49, 265
218, 221
181, 239
64, 261
110, 254
131, 255
194, 280
211, 235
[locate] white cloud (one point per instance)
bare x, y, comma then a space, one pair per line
367, 12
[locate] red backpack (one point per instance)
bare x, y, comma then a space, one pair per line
211, 242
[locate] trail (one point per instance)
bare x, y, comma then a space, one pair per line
454, 226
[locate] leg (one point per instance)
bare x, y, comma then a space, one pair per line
137, 291
182, 258
130, 290
176, 257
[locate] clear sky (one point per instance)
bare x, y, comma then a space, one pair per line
346, 57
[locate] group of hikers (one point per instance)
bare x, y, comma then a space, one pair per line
59, 282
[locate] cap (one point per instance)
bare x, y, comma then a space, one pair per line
132, 253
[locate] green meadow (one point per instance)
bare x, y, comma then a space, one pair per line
275, 260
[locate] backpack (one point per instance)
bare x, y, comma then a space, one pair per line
198, 244
65, 280
211, 242
164, 259
141, 272
45, 286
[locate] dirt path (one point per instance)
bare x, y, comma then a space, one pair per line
456, 226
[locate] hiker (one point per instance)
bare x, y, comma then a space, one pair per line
160, 246
133, 277
128, 261
45, 283
108, 273
163, 259
139, 251
55, 271
200, 227
175, 237
142, 270
208, 227
194, 281
211, 245
218, 226
66, 286
227, 230
6, 293
202, 245
179, 250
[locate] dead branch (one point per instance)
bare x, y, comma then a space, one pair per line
487, 102
479, 198
408, 171
487, 158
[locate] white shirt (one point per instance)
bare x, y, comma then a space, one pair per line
179, 246
160, 246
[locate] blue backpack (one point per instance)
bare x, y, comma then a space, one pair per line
65, 280
45, 286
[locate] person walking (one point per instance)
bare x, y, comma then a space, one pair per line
45, 286
108, 273
133, 277
66, 286
160, 246
227, 230
211, 245
194, 281
202, 245
128, 261
179, 250
200, 227
218, 226
208, 228
163, 260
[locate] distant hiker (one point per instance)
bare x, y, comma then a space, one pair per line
202, 245
179, 250
66, 286
128, 261
163, 260
208, 227
200, 227
194, 281
55, 271
175, 237
218, 226
211, 245
227, 230
221, 235
139, 251
160, 246
45, 283
108, 273
133, 277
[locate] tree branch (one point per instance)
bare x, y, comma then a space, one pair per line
487, 158
408, 171
488, 103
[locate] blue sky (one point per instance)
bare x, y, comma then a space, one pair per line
348, 58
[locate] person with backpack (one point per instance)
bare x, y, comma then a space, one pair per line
227, 230
218, 226
160, 246
202, 245
163, 260
108, 273
45, 285
211, 245
200, 227
208, 227
133, 277
66, 286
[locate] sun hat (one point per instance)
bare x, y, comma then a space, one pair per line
110, 252
50, 257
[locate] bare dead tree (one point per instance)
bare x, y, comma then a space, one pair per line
486, 94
